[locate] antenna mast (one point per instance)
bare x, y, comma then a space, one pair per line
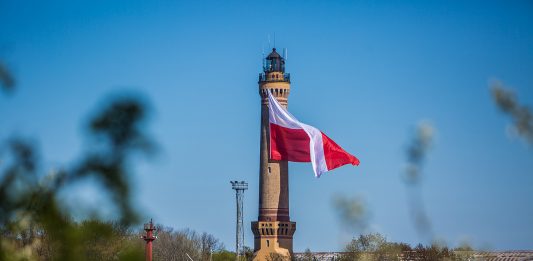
239, 187
151, 235
263, 55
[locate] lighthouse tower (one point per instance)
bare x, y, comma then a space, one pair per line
274, 230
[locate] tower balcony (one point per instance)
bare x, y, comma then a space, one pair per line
275, 77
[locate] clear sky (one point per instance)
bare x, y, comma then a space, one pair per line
364, 72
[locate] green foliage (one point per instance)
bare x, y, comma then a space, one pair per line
34, 223
367, 247
223, 255
436, 252
117, 134
89, 240
375, 247
367, 243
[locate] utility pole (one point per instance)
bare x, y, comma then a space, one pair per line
239, 187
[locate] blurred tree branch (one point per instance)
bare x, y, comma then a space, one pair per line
32, 216
416, 154
6, 79
353, 212
521, 115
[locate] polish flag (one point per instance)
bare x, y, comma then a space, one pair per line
292, 140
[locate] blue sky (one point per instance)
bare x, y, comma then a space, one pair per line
364, 72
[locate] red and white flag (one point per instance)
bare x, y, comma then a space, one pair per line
292, 140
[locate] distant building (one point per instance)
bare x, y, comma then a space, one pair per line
519, 255
504, 255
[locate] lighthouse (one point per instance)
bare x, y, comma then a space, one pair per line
273, 231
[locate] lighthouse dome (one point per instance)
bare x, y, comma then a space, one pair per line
274, 62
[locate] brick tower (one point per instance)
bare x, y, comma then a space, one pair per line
274, 230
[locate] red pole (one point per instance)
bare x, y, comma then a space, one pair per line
149, 237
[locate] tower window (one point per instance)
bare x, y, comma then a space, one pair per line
268, 243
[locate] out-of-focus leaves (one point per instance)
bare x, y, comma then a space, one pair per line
6, 79
34, 223
118, 131
17, 179
352, 212
521, 115
113, 177
23, 154
417, 150
120, 125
